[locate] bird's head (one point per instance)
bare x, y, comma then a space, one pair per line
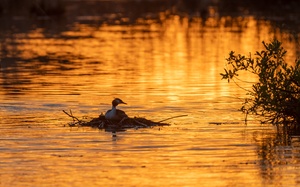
117, 101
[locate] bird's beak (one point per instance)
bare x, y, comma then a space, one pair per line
124, 103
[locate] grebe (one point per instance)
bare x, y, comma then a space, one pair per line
116, 114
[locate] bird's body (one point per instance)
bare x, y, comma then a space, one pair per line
116, 114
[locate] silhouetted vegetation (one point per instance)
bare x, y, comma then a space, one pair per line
283, 14
263, 8
276, 95
139, 8
48, 8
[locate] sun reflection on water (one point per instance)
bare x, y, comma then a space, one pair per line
176, 61
161, 68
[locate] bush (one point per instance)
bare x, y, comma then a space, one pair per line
276, 95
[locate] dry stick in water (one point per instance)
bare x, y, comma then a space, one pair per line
172, 118
140, 123
73, 117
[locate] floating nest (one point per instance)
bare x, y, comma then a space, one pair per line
126, 123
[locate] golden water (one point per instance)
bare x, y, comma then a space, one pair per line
161, 70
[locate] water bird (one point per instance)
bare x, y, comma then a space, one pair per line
116, 114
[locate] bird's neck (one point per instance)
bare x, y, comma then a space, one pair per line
114, 108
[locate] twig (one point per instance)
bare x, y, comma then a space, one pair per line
140, 123
73, 117
172, 118
120, 123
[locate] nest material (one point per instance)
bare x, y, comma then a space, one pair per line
109, 125
125, 123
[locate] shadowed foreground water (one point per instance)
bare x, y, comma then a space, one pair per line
161, 69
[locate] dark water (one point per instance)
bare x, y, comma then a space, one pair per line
162, 65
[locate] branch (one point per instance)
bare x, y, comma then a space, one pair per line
73, 117
172, 118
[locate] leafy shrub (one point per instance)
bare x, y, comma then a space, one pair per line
276, 94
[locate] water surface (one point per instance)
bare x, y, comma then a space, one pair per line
161, 67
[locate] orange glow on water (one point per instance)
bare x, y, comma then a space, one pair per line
161, 69
178, 57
